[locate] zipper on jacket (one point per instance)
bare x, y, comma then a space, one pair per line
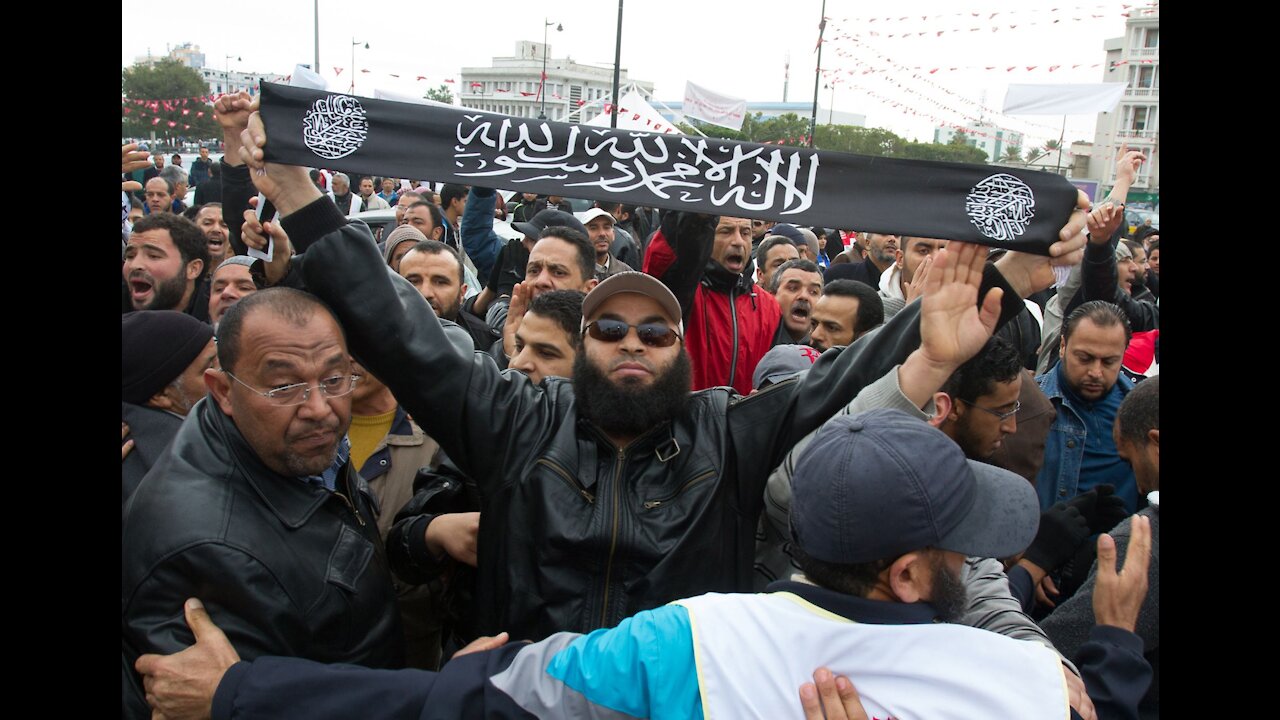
355, 512
733, 313
568, 479
651, 504
613, 541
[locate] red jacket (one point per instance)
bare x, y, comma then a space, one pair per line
729, 321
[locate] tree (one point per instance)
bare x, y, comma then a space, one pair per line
176, 91
960, 138
440, 94
1012, 154
1052, 145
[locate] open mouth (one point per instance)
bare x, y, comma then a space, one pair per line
140, 288
799, 313
735, 260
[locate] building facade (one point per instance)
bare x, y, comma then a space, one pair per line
993, 141
573, 92
1133, 59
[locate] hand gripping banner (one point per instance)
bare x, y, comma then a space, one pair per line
1004, 207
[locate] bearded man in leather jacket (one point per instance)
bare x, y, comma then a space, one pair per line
597, 505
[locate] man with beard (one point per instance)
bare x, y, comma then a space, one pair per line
436, 271
1086, 387
603, 504
977, 406
159, 196
599, 224
348, 202
371, 200
164, 266
797, 285
256, 508
882, 253
209, 220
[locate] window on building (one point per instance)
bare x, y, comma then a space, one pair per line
1151, 38
1146, 77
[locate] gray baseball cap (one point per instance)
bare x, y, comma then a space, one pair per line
879, 484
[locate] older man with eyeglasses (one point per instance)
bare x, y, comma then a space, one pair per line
256, 508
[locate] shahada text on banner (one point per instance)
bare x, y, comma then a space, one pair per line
1004, 207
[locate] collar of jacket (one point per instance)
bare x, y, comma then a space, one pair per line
716, 277
873, 612
290, 499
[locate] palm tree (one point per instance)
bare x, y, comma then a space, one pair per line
1052, 145
1012, 154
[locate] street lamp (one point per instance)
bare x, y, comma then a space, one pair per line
354, 43
226, 74
542, 114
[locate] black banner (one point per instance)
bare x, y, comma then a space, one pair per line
1004, 207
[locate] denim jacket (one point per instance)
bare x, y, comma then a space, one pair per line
1059, 478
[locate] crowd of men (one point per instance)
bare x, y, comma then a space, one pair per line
672, 455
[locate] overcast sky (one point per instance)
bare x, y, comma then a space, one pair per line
723, 46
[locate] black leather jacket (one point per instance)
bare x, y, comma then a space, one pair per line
284, 567
576, 533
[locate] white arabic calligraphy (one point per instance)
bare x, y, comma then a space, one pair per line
783, 180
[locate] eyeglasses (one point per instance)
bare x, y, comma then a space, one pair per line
651, 334
299, 393
1017, 404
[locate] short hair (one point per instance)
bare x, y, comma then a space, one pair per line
1134, 246
609, 206
435, 247
1139, 413
1154, 246
295, 306
174, 174
870, 305
437, 217
167, 183
413, 194
343, 177
215, 168
191, 243
365, 177
564, 307
997, 362
451, 192
190, 213
586, 251
770, 243
177, 157
775, 280
1100, 313
857, 580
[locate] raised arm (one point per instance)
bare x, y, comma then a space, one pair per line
478, 238
476, 413
678, 253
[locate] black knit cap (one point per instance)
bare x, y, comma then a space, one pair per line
156, 346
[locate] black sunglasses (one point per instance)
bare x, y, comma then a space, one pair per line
652, 334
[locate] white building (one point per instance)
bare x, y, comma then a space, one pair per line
989, 139
1134, 60
224, 81
510, 86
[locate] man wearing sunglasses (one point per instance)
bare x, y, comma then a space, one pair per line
256, 507
598, 505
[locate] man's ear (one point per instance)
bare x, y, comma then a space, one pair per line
910, 577
898, 257
194, 268
591, 283
436, 232
1153, 437
164, 399
944, 410
219, 385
